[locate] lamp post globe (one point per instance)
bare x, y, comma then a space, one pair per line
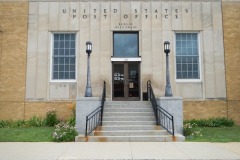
89, 47
88, 91
168, 89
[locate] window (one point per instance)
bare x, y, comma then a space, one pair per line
125, 44
187, 56
64, 56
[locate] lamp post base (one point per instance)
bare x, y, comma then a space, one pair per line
88, 91
168, 91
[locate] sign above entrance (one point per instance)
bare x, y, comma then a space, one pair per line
129, 15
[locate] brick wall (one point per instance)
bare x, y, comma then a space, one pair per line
204, 109
13, 38
231, 23
41, 108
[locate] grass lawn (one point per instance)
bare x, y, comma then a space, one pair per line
217, 134
44, 134
35, 134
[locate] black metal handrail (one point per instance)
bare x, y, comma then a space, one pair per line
94, 119
163, 118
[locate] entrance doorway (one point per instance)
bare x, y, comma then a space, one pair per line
126, 81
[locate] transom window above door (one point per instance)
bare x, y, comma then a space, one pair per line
125, 44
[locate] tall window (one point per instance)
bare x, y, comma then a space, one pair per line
64, 56
125, 44
187, 56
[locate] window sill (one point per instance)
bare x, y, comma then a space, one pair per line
188, 80
63, 81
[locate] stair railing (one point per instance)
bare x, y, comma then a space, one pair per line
163, 118
94, 119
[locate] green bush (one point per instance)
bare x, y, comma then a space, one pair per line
212, 122
36, 122
32, 122
51, 118
4, 124
64, 133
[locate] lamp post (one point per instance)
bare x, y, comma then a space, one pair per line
88, 91
168, 89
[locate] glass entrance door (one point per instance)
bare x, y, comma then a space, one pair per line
126, 81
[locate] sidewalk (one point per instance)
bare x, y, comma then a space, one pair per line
121, 150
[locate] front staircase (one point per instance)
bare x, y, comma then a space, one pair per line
128, 121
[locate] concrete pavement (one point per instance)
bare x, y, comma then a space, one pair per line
118, 150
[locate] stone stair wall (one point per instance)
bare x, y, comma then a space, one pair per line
128, 121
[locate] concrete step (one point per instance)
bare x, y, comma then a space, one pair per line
128, 110
157, 138
127, 127
126, 107
127, 103
129, 123
130, 133
129, 118
128, 114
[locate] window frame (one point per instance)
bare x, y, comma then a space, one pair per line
199, 57
125, 32
51, 58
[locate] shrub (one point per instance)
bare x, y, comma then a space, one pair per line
64, 133
36, 122
4, 124
51, 118
212, 122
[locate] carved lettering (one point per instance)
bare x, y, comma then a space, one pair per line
73, 13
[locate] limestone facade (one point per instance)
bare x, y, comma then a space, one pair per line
155, 21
